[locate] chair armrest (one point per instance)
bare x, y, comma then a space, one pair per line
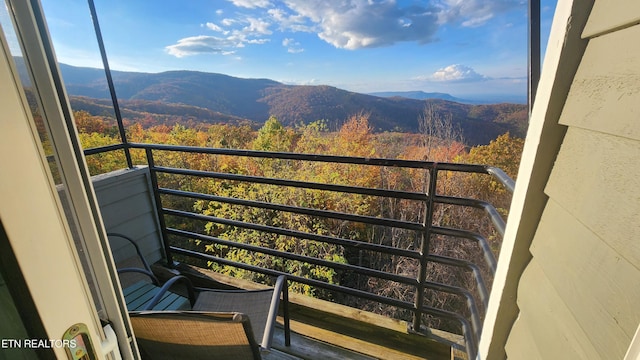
280, 287
153, 278
178, 278
136, 247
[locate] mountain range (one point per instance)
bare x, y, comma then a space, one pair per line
214, 98
421, 95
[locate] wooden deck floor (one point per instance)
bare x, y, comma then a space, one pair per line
325, 330
311, 342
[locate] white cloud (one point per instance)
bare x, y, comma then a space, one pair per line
257, 26
228, 22
292, 46
474, 13
300, 82
198, 45
214, 27
237, 33
347, 24
355, 24
290, 22
457, 73
257, 41
251, 4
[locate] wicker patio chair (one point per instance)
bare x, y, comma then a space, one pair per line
260, 305
142, 289
194, 335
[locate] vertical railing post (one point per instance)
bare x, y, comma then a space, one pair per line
285, 313
112, 89
534, 52
158, 201
424, 247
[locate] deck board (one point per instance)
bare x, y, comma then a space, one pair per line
303, 347
139, 294
325, 330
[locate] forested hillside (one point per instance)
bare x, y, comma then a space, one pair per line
198, 97
152, 113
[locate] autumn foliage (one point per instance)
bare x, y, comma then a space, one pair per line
438, 142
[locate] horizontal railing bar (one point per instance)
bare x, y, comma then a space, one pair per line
448, 261
245, 266
473, 309
497, 173
469, 168
298, 234
416, 164
466, 326
294, 209
502, 177
313, 282
101, 149
476, 324
475, 270
493, 213
299, 279
294, 183
489, 258
307, 259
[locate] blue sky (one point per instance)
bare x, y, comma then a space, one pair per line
462, 47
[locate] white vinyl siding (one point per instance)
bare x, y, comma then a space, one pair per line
579, 295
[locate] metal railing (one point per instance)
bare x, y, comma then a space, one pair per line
471, 326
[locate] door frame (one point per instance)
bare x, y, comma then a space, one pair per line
31, 211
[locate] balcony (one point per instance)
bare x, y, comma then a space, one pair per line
377, 286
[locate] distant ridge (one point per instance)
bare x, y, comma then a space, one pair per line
421, 95
215, 98
483, 99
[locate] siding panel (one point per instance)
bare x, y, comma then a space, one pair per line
579, 295
135, 206
608, 15
552, 324
605, 94
127, 207
596, 283
119, 185
597, 179
521, 344
145, 235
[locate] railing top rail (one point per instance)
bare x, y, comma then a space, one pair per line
417, 164
497, 173
106, 148
294, 183
289, 156
300, 210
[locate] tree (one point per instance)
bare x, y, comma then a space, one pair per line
438, 132
504, 152
229, 136
86, 123
272, 136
